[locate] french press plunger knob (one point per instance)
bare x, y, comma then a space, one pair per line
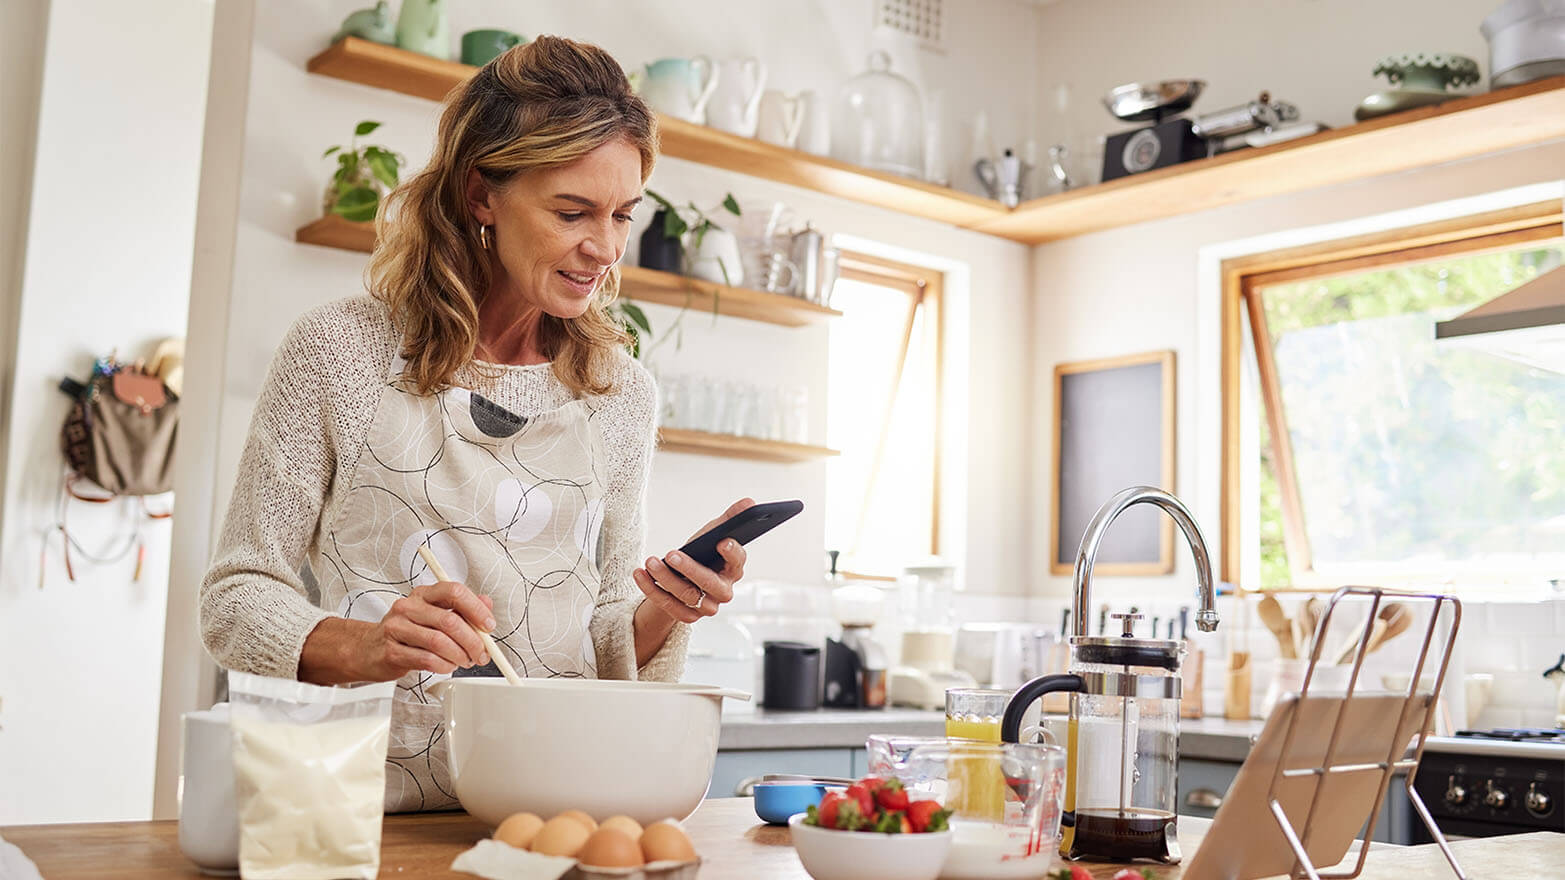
1128, 622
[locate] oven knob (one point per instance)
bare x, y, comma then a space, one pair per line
1497, 798
1455, 794
1538, 802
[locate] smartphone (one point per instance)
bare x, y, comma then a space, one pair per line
744, 527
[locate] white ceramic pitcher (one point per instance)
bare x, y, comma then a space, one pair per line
680, 87
734, 106
779, 118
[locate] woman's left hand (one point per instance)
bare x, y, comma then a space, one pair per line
685, 589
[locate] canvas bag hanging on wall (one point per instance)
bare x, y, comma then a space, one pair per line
120, 431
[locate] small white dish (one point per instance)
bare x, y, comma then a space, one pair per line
828, 854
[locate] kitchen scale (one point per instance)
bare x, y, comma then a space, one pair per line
1167, 141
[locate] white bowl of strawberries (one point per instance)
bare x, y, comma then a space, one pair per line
872, 831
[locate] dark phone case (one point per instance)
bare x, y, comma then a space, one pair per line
744, 527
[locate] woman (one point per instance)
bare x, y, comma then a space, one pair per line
480, 402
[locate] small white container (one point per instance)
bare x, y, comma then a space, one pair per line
208, 819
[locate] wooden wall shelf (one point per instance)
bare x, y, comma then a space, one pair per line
643, 285
1458, 129
666, 288
335, 232
410, 73
732, 446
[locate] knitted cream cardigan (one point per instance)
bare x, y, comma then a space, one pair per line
306, 435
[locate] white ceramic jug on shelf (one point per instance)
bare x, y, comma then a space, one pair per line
779, 118
680, 87
733, 108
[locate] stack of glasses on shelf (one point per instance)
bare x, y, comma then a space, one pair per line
701, 403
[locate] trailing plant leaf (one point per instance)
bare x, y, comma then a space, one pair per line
636, 315
365, 128
329, 151
357, 204
383, 164
731, 205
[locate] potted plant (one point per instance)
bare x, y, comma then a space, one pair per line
363, 175
691, 243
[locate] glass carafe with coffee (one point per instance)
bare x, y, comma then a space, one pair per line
1123, 731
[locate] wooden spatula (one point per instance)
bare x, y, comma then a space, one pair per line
489, 645
1276, 620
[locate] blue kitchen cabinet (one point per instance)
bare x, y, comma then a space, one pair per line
735, 766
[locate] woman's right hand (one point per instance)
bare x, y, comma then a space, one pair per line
430, 629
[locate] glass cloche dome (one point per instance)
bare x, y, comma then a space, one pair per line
879, 121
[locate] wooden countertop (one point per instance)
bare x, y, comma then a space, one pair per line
733, 844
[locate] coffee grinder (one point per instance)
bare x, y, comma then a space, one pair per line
855, 673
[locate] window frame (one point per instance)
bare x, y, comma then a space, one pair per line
925, 288
1243, 279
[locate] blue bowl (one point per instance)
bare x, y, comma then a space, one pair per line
776, 801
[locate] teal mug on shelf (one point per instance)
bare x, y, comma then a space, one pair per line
483, 46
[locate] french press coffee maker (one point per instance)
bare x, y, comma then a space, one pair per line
1122, 747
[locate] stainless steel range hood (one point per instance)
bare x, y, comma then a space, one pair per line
1526, 325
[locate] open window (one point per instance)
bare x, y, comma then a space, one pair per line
1357, 448
883, 413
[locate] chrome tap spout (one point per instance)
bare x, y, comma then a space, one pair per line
1087, 555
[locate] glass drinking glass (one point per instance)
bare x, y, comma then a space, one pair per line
975, 713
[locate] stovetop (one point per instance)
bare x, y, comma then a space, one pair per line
1517, 734
1502, 743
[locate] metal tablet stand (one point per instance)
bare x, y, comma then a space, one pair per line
1285, 769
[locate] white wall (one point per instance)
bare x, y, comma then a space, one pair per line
107, 267
1316, 54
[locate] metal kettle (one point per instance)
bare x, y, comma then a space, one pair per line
1122, 749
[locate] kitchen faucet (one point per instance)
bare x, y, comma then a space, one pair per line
1087, 555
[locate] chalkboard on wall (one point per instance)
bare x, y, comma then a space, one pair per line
1113, 429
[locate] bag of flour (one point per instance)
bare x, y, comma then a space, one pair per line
309, 777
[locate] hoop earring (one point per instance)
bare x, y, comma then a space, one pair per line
485, 237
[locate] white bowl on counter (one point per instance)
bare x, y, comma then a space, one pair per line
830, 854
642, 749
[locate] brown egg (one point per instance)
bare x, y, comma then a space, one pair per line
666, 842
590, 823
624, 823
561, 836
610, 848
518, 830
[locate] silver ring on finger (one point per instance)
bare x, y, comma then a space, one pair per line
700, 598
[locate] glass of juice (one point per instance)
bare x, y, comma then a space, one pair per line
977, 787
975, 713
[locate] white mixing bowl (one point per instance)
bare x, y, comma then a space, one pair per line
642, 749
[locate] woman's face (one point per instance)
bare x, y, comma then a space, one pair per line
557, 231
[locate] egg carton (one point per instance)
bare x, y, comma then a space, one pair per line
650, 871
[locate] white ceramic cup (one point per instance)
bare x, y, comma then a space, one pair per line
779, 118
208, 818
736, 101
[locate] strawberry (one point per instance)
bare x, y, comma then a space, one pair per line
1076, 872
866, 801
927, 816
850, 817
826, 815
874, 783
1133, 874
891, 796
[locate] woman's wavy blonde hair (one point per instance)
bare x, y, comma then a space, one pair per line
543, 104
